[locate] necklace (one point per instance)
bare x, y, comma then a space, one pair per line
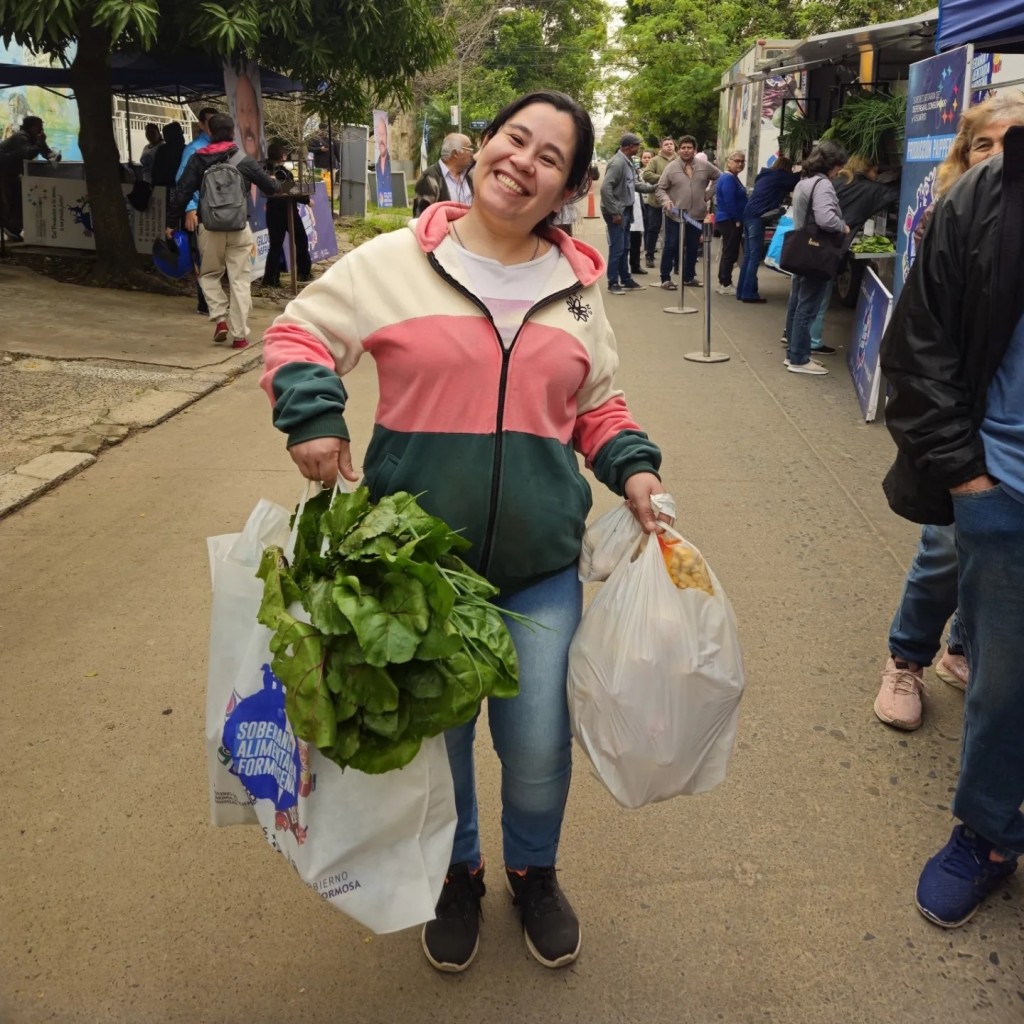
458, 238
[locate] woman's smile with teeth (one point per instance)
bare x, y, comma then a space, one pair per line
512, 186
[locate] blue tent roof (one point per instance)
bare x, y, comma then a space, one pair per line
989, 24
142, 75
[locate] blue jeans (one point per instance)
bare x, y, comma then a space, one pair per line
804, 299
990, 542
818, 323
618, 248
928, 600
753, 253
670, 253
653, 216
531, 732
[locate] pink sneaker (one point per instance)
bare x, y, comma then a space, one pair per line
220, 332
240, 343
899, 700
953, 669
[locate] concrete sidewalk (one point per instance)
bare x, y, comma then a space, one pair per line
82, 368
786, 895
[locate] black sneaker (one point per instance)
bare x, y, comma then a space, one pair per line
551, 927
823, 350
453, 937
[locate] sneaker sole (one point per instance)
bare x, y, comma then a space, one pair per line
562, 961
446, 967
928, 915
219, 338
896, 725
950, 677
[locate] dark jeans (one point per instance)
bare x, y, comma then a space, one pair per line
753, 252
990, 543
731, 233
669, 253
653, 216
277, 229
10, 202
635, 240
804, 300
618, 248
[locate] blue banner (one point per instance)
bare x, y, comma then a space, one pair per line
936, 97
979, 21
874, 305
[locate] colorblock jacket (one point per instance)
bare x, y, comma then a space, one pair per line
487, 435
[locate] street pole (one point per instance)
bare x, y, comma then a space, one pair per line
459, 125
706, 355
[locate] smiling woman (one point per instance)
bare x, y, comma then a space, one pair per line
496, 364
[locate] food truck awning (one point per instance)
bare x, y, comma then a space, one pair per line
899, 43
989, 24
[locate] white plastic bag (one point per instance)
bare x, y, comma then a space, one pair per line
655, 680
608, 538
376, 846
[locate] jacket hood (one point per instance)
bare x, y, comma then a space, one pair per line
431, 229
216, 148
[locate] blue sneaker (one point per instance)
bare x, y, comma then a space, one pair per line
956, 881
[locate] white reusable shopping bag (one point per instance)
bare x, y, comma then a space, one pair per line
655, 680
376, 846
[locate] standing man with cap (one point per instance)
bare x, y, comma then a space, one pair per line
617, 190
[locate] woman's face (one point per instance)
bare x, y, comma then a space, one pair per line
522, 170
988, 141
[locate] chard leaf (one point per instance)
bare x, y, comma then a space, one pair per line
377, 755
324, 610
439, 592
300, 664
369, 687
438, 643
389, 629
391, 724
279, 589
419, 679
346, 744
346, 511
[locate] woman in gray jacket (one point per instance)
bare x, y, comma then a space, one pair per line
816, 194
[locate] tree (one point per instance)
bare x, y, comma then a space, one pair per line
354, 56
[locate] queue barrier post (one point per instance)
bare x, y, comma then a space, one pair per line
681, 307
706, 355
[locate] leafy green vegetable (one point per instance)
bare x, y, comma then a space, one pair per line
402, 641
873, 243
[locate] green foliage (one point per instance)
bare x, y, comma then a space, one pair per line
868, 125
797, 137
402, 641
376, 222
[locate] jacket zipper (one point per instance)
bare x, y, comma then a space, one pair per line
486, 549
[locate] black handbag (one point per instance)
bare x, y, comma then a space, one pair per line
809, 251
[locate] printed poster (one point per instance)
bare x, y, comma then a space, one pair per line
382, 161
937, 94
245, 105
874, 306
317, 219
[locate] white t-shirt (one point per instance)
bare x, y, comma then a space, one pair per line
509, 292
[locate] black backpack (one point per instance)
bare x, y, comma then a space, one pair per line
222, 205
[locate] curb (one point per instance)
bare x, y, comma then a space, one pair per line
30, 480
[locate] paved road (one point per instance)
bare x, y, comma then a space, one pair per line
784, 896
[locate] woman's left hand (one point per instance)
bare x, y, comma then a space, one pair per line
639, 488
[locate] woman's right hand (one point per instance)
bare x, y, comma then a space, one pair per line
323, 459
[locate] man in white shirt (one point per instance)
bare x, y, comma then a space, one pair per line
448, 179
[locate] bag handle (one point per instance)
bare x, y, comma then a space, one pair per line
340, 486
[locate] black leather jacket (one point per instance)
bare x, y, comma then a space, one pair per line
949, 332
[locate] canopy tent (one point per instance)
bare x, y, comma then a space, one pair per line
139, 74
989, 24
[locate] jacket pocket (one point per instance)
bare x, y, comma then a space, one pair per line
378, 477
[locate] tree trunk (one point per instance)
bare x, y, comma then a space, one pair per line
116, 259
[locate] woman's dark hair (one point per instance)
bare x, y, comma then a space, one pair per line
824, 157
174, 134
222, 128
783, 164
578, 180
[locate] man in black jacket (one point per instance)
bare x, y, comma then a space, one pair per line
222, 251
27, 143
954, 354
448, 179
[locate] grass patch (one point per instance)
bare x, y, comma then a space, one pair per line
376, 222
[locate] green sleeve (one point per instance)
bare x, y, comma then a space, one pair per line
309, 402
628, 452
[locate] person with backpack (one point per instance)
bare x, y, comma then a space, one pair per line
222, 175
